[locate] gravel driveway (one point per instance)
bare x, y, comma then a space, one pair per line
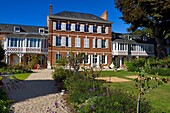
37, 94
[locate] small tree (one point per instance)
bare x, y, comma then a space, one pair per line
74, 61
145, 84
32, 60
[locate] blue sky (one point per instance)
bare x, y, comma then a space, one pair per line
34, 12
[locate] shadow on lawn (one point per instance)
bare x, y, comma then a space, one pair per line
32, 88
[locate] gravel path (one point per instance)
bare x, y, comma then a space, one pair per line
37, 94
113, 79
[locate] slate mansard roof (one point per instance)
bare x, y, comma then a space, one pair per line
25, 31
23, 28
79, 17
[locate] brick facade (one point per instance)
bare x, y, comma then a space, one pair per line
63, 50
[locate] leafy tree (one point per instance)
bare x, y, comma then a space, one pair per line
1, 52
145, 84
152, 14
33, 59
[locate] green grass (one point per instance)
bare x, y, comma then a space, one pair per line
159, 97
119, 73
22, 76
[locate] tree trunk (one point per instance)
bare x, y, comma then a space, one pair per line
158, 47
138, 103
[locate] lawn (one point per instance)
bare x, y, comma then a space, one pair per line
119, 73
158, 97
22, 76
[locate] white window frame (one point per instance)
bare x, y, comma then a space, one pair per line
81, 27
54, 40
63, 26
90, 28
99, 29
17, 27
73, 27
77, 42
86, 42
41, 29
99, 42
54, 25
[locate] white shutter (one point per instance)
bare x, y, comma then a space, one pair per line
99, 29
63, 41
69, 41
79, 42
76, 42
107, 30
99, 42
73, 27
87, 42
54, 40
105, 59
54, 25
91, 28
81, 27
63, 26
106, 43
94, 42
88, 59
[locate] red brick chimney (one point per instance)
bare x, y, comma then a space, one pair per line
51, 8
104, 15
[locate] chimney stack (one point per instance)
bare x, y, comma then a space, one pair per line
104, 15
51, 8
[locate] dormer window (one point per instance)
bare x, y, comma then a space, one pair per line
16, 28
41, 30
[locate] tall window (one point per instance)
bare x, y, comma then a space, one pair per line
77, 27
86, 28
68, 27
103, 29
103, 43
103, 59
13, 42
58, 41
94, 29
94, 59
77, 42
58, 56
86, 42
58, 25
86, 59
32, 42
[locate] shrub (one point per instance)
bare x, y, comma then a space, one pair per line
15, 69
160, 71
59, 75
80, 89
135, 64
4, 102
116, 102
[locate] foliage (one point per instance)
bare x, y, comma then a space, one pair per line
59, 75
144, 32
4, 102
145, 84
32, 60
15, 69
152, 14
135, 64
150, 65
116, 102
87, 99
